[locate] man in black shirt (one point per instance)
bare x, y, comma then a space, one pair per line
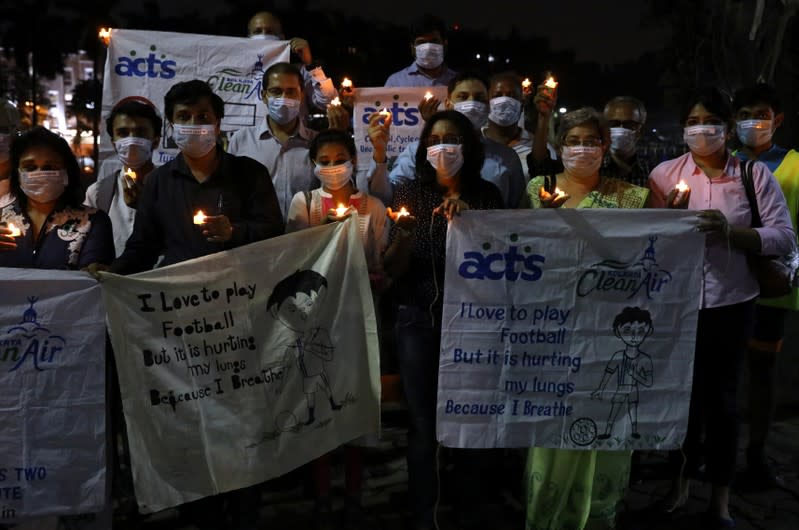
234, 193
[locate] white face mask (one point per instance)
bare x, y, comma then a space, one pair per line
704, 140
446, 159
264, 36
283, 110
622, 141
334, 177
754, 133
134, 152
581, 161
5, 147
476, 111
505, 111
429, 55
43, 186
194, 140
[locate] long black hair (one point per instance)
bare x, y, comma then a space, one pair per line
41, 137
473, 151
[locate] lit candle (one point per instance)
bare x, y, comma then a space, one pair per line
551, 83
15, 232
385, 112
105, 35
341, 210
403, 213
559, 193
682, 188
336, 102
428, 95
130, 174
526, 84
346, 83
199, 218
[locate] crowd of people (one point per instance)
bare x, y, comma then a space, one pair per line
486, 146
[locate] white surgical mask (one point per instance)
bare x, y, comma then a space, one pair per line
446, 159
429, 55
581, 161
754, 133
5, 147
133, 151
194, 140
476, 111
505, 111
264, 36
704, 140
283, 110
334, 177
622, 141
43, 186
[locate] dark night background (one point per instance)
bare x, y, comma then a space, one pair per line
656, 50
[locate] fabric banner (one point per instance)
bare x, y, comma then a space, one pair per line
406, 121
569, 328
240, 366
148, 63
52, 406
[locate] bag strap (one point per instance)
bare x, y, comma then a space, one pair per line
751, 195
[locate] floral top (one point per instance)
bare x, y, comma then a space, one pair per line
71, 238
611, 193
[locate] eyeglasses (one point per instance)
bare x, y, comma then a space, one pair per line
627, 124
574, 141
446, 139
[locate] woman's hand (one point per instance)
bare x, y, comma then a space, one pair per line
333, 217
428, 107
217, 229
552, 200
678, 200
713, 221
450, 208
405, 223
7, 242
379, 134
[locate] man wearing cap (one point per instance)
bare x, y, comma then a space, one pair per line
135, 128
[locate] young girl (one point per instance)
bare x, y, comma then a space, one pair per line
333, 153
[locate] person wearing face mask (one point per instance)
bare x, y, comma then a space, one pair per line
234, 192
9, 124
626, 117
56, 231
467, 93
758, 114
729, 288
318, 89
134, 126
582, 140
428, 45
448, 182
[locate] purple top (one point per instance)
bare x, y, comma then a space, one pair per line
727, 279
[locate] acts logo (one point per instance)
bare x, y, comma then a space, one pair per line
247, 83
31, 341
402, 113
611, 275
512, 264
150, 65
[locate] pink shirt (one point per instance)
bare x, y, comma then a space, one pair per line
727, 279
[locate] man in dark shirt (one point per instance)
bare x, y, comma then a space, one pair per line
234, 193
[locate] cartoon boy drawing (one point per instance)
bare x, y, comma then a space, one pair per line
631, 366
294, 302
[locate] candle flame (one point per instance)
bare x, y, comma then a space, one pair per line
403, 213
559, 193
526, 83
336, 102
682, 186
550, 82
428, 95
341, 210
15, 232
199, 218
346, 83
130, 173
104, 35
386, 112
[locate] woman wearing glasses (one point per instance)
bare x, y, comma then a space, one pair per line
447, 182
569, 489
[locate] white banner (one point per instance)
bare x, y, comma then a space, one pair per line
569, 328
243, 365
406, 121
52, 406
148, 63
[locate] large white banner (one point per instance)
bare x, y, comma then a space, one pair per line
240, 366
406, 121
569, 328
52, 403
148, 63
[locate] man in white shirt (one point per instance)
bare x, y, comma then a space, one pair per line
135, 128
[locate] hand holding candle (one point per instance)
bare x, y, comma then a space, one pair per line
552, 198
551, 83
7, 234
341, 210
526, 86
336, 102
428, 95
15, 232
679, 196
346, 85
199, 218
